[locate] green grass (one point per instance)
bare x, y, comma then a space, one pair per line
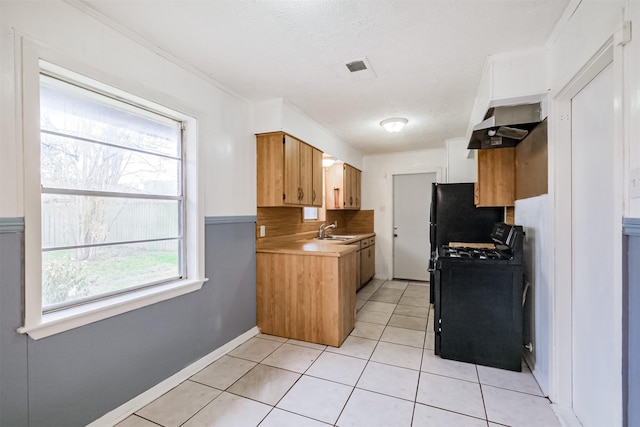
115, 273
121, 269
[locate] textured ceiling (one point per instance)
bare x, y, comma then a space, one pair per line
427, 55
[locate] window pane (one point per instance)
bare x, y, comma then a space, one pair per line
84, 220
75, 164
310, 213
92, 143
70, 275
72, 110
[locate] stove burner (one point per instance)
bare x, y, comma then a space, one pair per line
475, 253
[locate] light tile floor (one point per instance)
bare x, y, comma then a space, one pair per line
385, 374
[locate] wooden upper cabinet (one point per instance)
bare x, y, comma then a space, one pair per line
270, 169
496, 177
357, 186
285, 171
305, 174
343, 187
292, 156
352, 185
316, 192
509, 174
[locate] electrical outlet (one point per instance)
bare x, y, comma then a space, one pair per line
262, 230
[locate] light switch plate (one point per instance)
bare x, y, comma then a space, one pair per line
262, 230
634, 184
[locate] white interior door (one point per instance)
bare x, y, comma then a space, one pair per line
411, 201
593, 275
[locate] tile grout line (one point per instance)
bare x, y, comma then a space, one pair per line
324, 350
424, 342
484, 405
368, 363
226, 390
361, 373
458, 413
151, 421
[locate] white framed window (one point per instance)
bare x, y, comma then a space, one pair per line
117, 203
309, 214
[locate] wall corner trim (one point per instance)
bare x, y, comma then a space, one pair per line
209, 220
11, 225
631, 226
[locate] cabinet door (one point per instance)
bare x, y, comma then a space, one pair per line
357, 188
367, 263
343, 187
292, 188
270, 168
359, 282
334, 190
372, 261
352, 185
346, 186
306, 174
496, 177
316, 192
349, 184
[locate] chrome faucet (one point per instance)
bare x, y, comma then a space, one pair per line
323, 230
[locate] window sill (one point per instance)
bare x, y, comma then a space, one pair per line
64, 320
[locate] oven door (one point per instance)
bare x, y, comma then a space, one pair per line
479, 313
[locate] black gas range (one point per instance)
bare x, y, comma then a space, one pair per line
478, 300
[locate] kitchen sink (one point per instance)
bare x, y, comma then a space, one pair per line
338, 238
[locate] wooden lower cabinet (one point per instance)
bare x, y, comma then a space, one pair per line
367, 263
306, 297
358, 268
367, 256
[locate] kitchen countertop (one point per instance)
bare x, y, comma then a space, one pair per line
336, 248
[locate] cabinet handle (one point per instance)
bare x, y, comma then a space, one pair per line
313, 196
369, 253
350, 201
301, 194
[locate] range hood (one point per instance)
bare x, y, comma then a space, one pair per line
506, 126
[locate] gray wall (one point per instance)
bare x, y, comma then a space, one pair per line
72, 378
631, 364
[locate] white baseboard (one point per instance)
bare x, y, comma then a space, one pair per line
143, 399
566, 416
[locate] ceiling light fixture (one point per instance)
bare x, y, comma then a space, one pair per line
394, 125
327, 162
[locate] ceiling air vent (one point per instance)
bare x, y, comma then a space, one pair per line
356, 66
358, 69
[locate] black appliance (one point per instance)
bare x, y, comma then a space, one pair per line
479, 299
455, 218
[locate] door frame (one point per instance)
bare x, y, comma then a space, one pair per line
388, 226
561, 387
393, 215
